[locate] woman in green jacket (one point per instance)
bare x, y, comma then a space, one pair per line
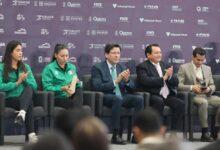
60, 76
18, 83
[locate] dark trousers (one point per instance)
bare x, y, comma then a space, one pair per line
116, 102
176, 104
24, 102
76, 100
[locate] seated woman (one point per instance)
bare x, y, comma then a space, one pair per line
18, 83
60, 77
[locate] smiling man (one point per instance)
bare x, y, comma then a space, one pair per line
111, 78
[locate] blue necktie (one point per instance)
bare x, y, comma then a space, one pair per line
114, 77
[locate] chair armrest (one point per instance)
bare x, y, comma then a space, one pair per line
184, 97
51, 97
2, 103
40, 99
216, 93
146, 96
190, 102
89, 99
98, 103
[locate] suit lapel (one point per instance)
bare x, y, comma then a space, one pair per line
152, 67
205, 73
192, 73
106, 70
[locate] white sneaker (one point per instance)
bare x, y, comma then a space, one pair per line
32, 137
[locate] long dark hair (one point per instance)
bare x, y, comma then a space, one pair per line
57, 49
7, 59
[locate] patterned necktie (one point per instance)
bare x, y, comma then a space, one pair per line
164, 90
114, 77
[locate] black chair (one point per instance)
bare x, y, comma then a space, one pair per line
167, 112
102, 111
39, 112
53, 111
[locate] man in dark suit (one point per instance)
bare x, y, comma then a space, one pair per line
111, 78
154, 77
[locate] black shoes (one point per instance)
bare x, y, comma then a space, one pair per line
116, 139
206, 137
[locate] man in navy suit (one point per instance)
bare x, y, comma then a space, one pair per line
111, 78
154, 77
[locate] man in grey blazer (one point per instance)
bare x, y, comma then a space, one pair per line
197, 77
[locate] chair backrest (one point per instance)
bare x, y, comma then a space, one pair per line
87, 86
216, 79
38, 79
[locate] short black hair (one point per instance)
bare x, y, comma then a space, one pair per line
110, 46
148, 49
148, 121
199, 50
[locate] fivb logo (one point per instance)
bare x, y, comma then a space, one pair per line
176, 47
2, 44
123, 19
97, 5
44, 31
20, 17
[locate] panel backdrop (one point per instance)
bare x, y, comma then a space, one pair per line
178, 26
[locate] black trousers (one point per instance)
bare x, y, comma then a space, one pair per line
24, 102
76, 100
116, 102
176, 104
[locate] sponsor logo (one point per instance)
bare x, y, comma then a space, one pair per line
2, 44
2, 31
2, 17
24, 45
44, 18
45, 3
205, 48
203, 9
20, 17
24, 58
73, 59
97, 5
151, 7
125, 59
176, 47
71, 46
217, 60
123, 6
201, 22
42, 59
71, 18
0, 58
96, 46
44, 31
176, 8
0, 3
97, 19
142, 59
20, 3
150, 33
22, 31
143, 20
123, 33
71, 32
176, 60
203, 35
170, 34
123, 19
44, 46
177, 21
96, 60
72, 5
96, 32
127, 46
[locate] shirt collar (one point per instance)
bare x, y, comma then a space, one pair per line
110, 65
194, 66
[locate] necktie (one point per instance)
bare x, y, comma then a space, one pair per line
164, 90
114, 77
